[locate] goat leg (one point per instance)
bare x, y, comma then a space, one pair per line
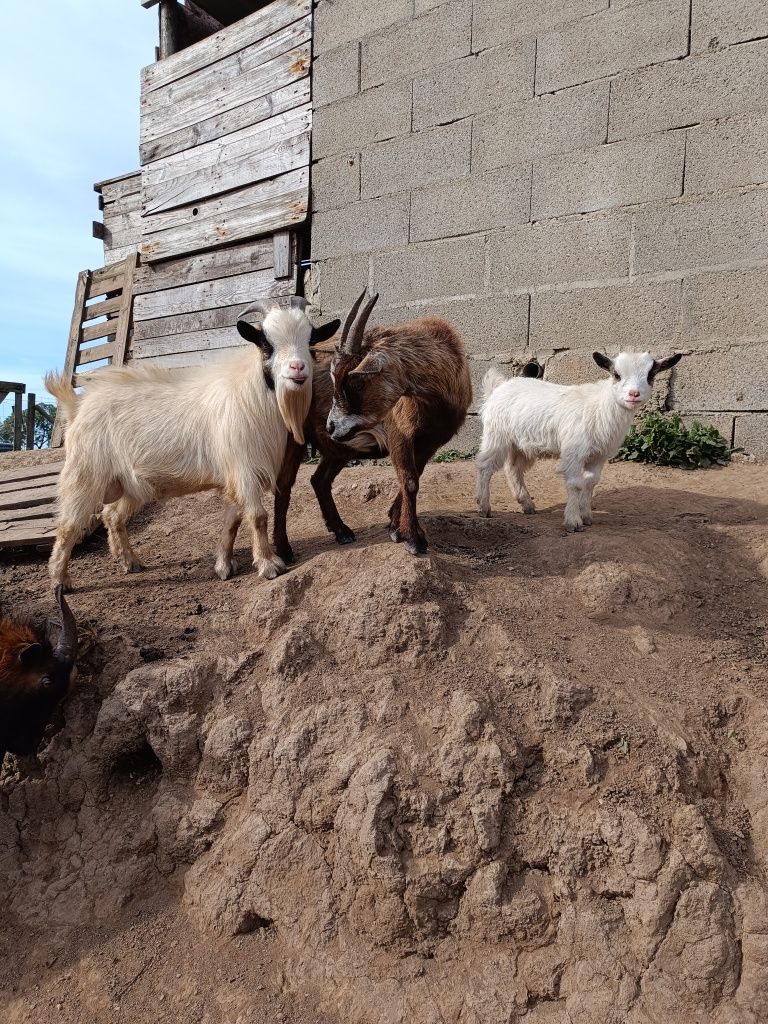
294, 453
322, 482
408, 474
226, 564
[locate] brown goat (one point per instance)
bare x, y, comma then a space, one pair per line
34, 678
402, 390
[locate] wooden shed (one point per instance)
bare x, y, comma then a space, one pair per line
214, 217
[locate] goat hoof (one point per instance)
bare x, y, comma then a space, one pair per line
345, 536
574, 528
226, 568
417, 546
484, 513
285, 554
134, 566
529, 510
269, 568
394, 535
587, 521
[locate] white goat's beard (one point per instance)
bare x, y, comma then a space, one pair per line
294, 404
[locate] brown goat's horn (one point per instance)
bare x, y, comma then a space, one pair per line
354, 326
67, 645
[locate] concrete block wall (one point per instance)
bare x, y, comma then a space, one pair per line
554, 177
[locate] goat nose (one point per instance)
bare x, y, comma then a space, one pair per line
297, 365
633, 394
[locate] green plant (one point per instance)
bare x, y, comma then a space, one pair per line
665, 441
451, 455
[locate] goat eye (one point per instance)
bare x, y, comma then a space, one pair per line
46, 682
616, 376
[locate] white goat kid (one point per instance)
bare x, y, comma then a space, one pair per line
584, 424
144, 434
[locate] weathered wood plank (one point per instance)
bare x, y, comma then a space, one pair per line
118, 255
197, 341
103, 330
256, 210
102, 308
96, 353
233, 38
177, 360
228, 291
124, 326
8, 476
29, 497
27, 484
70, 360
45, 513
253, 73
117, 188
23, 535
278, 101
281, 156
284, 264
185, 323
235, 259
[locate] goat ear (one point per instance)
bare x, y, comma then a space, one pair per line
325, 332
374, 362
666, 364
30, 655
603, 361
255, 335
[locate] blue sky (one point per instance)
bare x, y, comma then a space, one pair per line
69, 79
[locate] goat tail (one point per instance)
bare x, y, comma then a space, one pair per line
61, 389
491, 381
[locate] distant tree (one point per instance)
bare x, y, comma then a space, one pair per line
43, 426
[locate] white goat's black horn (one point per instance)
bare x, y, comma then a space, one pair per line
354, 325
66, 648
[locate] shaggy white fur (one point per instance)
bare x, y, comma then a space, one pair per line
140, 434
584, 424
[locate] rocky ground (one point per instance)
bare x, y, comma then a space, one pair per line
522, 779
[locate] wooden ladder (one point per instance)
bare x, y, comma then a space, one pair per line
112, 286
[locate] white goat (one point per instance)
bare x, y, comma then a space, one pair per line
143, 434
584, 424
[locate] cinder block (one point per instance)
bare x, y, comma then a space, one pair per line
351, 124
438, 36
431, 270
499, 21
556, 252
471, 84
491, 327
751, 433
616, 40
685, 92
700, 234
468, 439
333, 285
336, 23
619, 174
716, 23
726, 307
573, 119
727, 379
335, 182
360, 227
635, 317
510, 364
421, 159
480, 202
336, 74
721, 421
727, 154
576, 367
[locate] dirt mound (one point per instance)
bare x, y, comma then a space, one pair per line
524, 778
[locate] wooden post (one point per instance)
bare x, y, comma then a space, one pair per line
30, 421
75, 330
169, 28
17, 421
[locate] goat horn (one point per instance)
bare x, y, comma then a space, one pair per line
354, 326
67, 645
298, 302
262, 307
